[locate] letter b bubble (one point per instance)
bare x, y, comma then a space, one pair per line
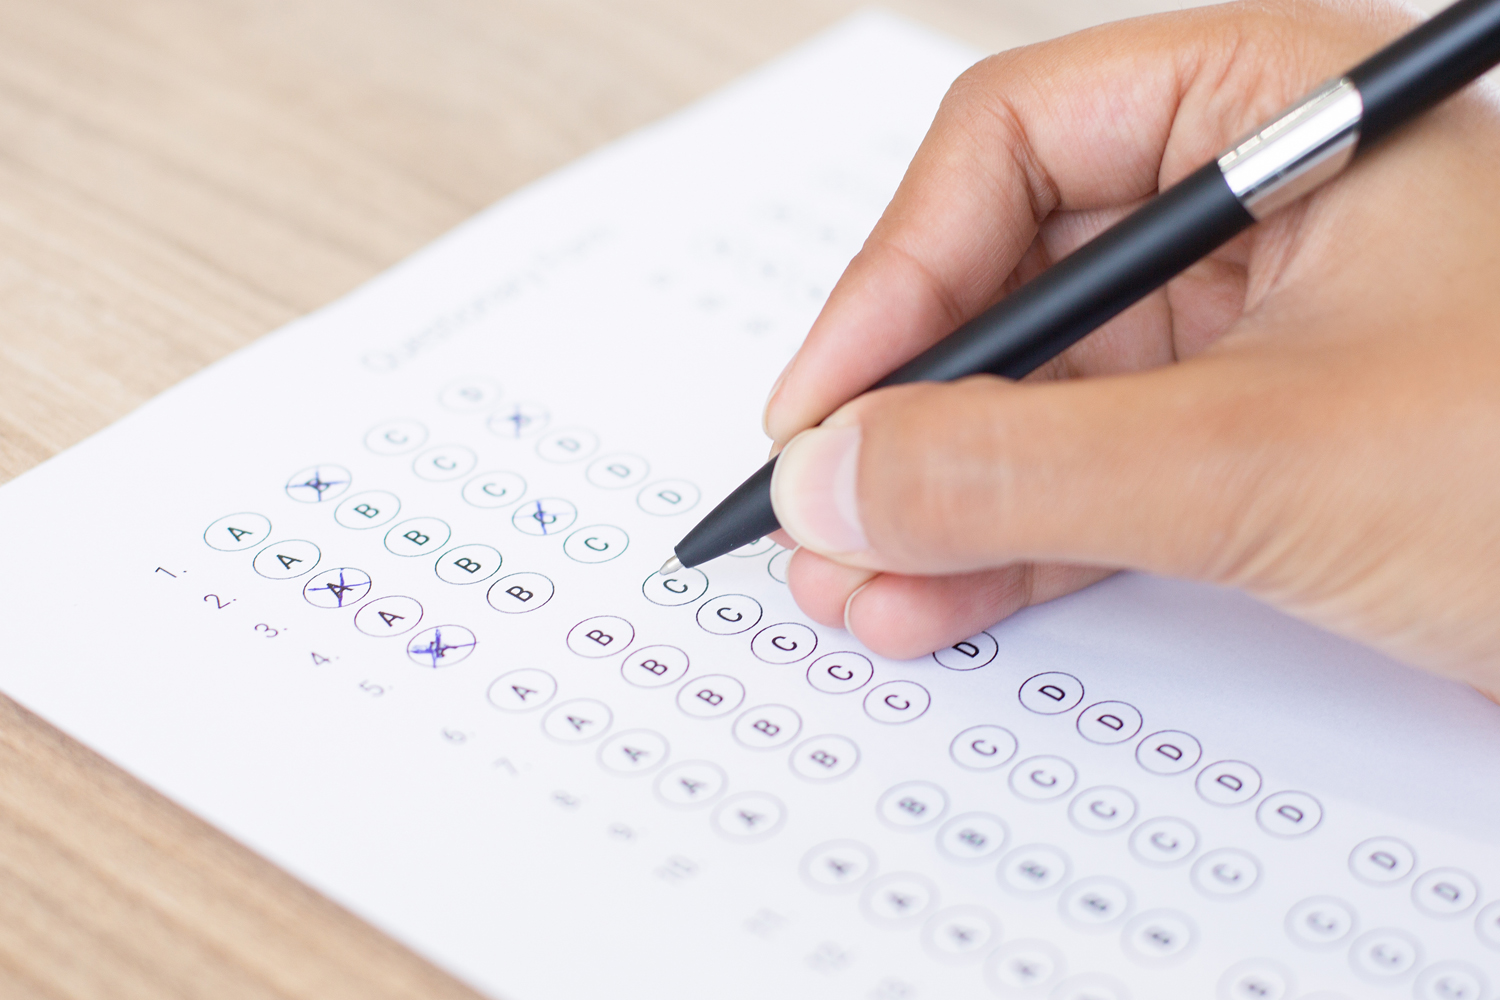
601, 636
711, 696
655, 666
767, 727
519, 593
370, 509
468, 564
418, 536
825, 758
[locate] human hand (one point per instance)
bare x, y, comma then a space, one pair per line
1312, 414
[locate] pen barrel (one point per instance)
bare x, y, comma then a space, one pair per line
1425, 65
1090, 286
1299, 149
741, 518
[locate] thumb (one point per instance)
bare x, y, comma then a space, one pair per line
1165, 470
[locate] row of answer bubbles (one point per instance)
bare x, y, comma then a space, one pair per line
788, 642
1035, 869
1442, 893
420, 536
969, 933
688, 784
462, 565
618, 471
515, 421
1319, 922
1381, 956
501, 488
1102, 809
1166, 752
972, 837
892, 702
764, 727
1090, 904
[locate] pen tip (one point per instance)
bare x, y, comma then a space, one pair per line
672, 565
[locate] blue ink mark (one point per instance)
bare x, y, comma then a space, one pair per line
543, 518
436, 649
318, 484
518, 420
338, 590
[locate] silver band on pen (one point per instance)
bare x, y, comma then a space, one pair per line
1297, 150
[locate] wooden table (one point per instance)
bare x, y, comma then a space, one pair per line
178, 177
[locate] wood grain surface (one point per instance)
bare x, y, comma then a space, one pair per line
178, 177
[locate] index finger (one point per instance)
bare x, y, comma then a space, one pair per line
1093, 121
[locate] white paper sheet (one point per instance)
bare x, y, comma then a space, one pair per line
633, 308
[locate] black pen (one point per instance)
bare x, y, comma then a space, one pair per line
1296, 151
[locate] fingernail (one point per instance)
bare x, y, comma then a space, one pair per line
814, 490
765, 411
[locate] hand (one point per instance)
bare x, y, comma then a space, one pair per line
1312, 414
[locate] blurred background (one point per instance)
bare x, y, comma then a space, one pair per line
188, 174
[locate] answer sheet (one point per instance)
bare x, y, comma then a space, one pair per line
378, 596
